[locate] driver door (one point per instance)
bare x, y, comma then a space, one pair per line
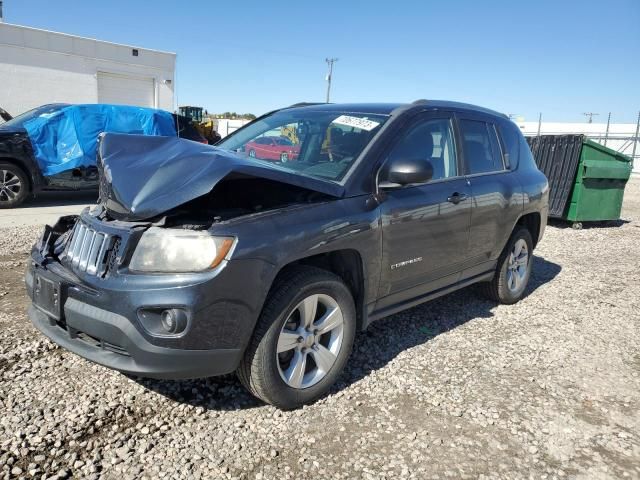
425, 227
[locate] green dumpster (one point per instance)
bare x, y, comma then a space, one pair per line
586, 179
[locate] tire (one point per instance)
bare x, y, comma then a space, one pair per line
264, 371
252, 153
284, 157
14, 185
501, 287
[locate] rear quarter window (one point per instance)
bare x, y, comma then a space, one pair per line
510, 136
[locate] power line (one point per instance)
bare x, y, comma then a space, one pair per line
330, 62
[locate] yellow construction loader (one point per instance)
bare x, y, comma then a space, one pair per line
204, 125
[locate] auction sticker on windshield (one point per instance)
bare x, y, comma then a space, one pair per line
361, 123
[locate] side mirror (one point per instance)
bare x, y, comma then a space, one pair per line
404, 172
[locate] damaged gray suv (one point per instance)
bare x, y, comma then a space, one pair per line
266, 254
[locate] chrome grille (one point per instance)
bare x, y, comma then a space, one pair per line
87, 250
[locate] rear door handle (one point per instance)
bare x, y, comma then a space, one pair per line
457, 197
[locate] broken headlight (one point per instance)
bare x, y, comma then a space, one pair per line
179, 251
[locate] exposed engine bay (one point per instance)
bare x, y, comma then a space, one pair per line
236, 197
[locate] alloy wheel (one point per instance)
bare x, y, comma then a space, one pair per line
10, 185
309, 341
517, 266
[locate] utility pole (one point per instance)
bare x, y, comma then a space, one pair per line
330, 62
606, 134
590, 115
1, 17
539, 124
635, 141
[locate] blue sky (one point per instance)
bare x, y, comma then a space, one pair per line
560, 58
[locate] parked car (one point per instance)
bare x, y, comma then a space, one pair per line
274, 148
52, 147
202, 261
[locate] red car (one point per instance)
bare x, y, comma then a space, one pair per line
276, 149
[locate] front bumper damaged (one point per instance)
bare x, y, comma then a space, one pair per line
105, 318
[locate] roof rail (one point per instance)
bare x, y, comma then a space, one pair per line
305, 104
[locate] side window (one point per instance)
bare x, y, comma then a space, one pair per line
431, 140
511, 139
481, 149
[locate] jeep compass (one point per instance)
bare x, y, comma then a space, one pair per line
201, 260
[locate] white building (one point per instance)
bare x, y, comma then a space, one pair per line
621, 136
39, 67
226, 126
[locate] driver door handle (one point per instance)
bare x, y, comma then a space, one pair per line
456, 198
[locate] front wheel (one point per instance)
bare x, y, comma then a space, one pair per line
302, 340
513, 270
14, 185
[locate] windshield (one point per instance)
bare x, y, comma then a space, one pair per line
20, 120
318, 143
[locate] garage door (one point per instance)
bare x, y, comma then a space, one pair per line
124, 90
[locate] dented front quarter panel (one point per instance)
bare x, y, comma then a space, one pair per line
289, 234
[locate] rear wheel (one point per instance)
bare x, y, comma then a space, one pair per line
14, 185
284, 157
302, 340
513, 270
252, 153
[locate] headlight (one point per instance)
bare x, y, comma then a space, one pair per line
170, 250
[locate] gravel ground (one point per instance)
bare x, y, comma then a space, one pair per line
457, 388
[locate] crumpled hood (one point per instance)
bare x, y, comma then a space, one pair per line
144, 176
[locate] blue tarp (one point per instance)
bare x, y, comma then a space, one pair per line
67, 138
